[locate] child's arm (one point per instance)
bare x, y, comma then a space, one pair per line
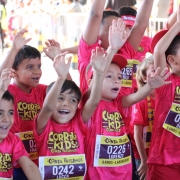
141, 150
50, 101
153, 82
30, 169
52, 49
98, 62
5, 80
91, 31
18, 43
164, 42
141, 23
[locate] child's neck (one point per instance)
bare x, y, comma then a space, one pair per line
23, 87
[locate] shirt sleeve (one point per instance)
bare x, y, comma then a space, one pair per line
18, 150
138, 113
84, 54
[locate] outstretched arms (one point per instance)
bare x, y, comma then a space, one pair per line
62, 69
18, 42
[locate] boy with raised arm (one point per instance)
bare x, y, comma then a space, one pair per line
12, 151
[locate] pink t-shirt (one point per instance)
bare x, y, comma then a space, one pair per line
26, 107
140, 117
62, 139
165, 146
106, 121
11, 149
84, 54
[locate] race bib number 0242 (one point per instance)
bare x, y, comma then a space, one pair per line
70, 167
112, 151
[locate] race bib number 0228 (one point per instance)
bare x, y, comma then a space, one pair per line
69, 167
112, 151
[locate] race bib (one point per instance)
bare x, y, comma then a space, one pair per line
6, 178
112, 151
135, 65
68, 167
127, 74
146, 136
172, 121
29, 143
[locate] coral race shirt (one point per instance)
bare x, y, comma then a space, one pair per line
103, 156
165, 145
84, 55
26, 107
62, 139
11, 149
140, 117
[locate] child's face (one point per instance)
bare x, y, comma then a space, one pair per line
28, 73
111, 83
150, 69
104, 31
65, 107
6, 117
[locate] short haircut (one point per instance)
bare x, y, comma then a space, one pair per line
173, 48
108, 13
8, 96
68, 85
127, 10
141, 71
26, 52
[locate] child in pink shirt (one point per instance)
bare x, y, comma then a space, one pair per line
12, 151
142, 119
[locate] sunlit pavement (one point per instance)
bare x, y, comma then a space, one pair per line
48, 73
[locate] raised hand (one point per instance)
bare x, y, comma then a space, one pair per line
62, 65
142, 170
52, 48
99, 60
117, 34
158, 79
5, 79
19, 41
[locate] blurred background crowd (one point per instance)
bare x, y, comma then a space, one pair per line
62, 20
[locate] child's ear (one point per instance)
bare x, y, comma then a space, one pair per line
171, 60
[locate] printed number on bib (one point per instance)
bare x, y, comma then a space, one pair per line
29, 143
112, 151
172, 121
68, 167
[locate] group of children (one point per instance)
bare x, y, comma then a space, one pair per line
95, 131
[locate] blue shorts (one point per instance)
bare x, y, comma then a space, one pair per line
18, 174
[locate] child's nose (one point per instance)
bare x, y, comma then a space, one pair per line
65, 103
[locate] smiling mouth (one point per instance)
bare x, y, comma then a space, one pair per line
4, 127
36, 79
64, 112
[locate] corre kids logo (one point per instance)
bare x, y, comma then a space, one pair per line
112, 122
62, 142
140, 49
5, 162
28, 111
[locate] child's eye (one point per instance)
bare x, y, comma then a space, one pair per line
39, 66
119, 78
73, 100
60, 98
109, 76
30, 67
11, 113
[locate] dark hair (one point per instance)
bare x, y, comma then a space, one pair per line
8, 96
68, 84
108, 13
26, 52
173, 47
127, 10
